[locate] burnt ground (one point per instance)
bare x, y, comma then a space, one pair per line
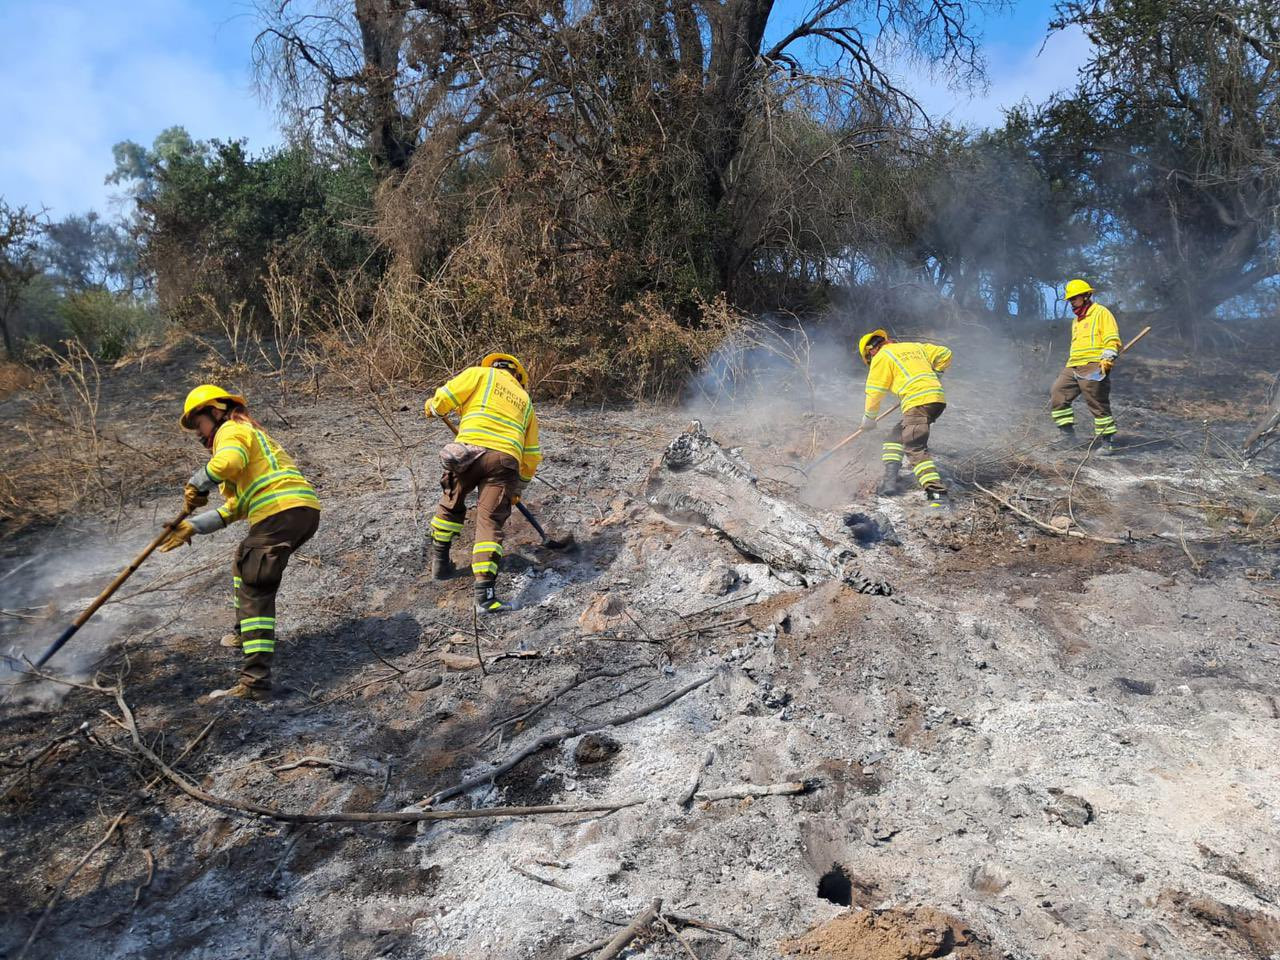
1038, 746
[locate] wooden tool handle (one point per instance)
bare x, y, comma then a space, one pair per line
112, 587
1141, 333
850, 438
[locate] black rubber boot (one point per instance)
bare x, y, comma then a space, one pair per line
888, 484
442, 567
1106, 446
1066, 439
487, 599
937, 500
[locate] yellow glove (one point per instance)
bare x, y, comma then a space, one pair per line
192, 498
1106, 366
179, 536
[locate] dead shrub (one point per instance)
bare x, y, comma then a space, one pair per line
65, 454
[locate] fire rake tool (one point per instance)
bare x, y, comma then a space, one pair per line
849, 439
549, 542
115, 585
1099, 375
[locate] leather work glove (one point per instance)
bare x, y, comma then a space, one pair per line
1106, 366
179, 536
868, 423
192, 498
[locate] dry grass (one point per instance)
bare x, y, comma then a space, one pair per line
66, 454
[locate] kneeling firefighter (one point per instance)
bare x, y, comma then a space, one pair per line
910, 371
496, 453
259, 482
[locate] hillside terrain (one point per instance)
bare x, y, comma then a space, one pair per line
1038, 745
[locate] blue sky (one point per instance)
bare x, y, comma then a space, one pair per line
80, 75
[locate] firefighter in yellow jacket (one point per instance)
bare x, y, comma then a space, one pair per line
910, 372
260, 483
1095, 345
496, 452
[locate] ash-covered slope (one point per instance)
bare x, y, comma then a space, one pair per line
1036, 747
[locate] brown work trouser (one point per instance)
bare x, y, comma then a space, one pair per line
257, 570
1070, 384
497, 478
910, 437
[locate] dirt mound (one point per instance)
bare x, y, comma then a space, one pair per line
912, 934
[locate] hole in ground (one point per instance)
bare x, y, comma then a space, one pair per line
836, 887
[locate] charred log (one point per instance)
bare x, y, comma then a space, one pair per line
697, 481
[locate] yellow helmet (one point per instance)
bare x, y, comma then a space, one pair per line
206, 395
1077, 287
865, 342
509, 361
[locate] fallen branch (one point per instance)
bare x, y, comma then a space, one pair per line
1196, 565
695, 631
26, 766
577, 681
151, 873
744, 790
187, 752
676, 933
686, 797
577, 711
704, 925
475, 635
326, 762
62, 887
1047, 528
549, 881
558, 736
629, 932
396, 816
284, 858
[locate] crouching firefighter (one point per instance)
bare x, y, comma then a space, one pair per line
1095, 345
496, 453
259, 482
910, 371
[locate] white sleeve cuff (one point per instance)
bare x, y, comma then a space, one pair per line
202, 481
207, 522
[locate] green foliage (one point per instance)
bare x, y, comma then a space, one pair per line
83, 251
1169, 146
213, 218
20, 230
106, 324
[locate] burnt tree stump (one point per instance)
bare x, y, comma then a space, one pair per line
698, 482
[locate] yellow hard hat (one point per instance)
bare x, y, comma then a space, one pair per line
203, 396
1077, 287
517, 366
866, 342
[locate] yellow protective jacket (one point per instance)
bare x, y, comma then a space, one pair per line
908, 370
497, 414
1091, 334
258, 478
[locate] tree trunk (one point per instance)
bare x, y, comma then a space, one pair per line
381, 31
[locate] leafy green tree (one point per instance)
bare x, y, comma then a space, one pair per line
212, 218
84, 252
20, 229
1170, 143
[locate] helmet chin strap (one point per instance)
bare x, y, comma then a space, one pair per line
220, 416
